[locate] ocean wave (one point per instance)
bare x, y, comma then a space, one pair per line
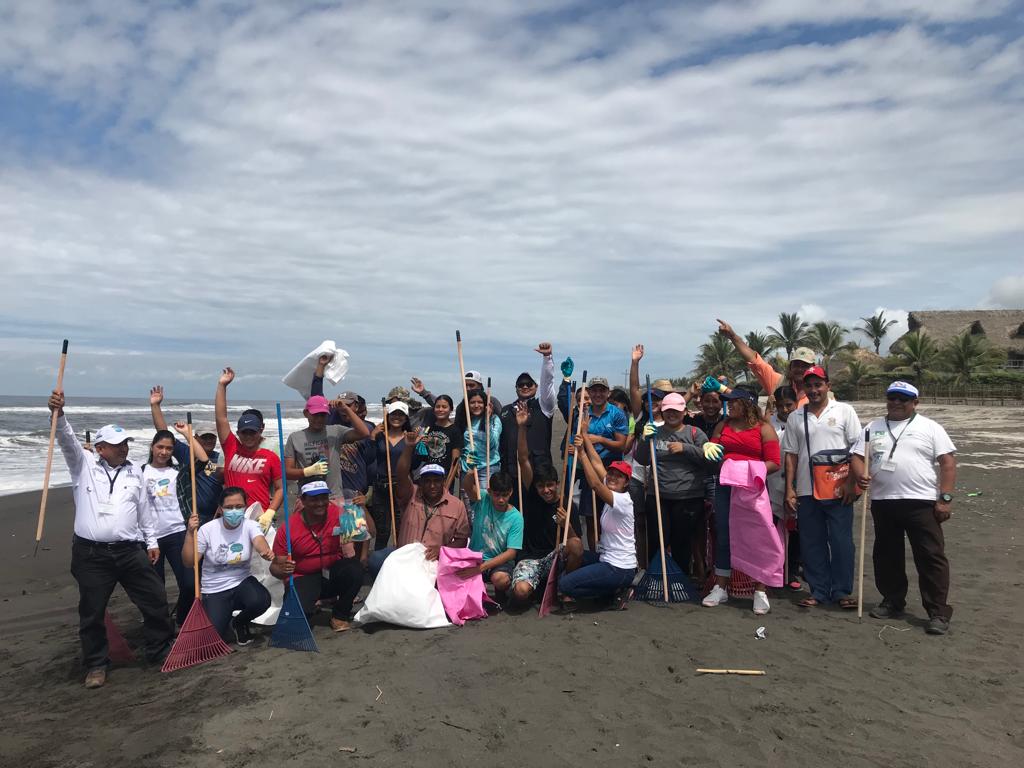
72, 408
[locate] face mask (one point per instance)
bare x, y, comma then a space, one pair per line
234, 516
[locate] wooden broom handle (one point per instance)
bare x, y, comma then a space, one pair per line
387, 460
49, 451
465, 402
657, 507
863, 527
575, 462
195, 511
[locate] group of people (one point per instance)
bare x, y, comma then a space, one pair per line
749, 490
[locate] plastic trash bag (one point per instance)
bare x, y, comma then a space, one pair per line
404, 592
463, 599
300, 378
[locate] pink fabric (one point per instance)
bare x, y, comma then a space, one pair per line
547, 602
463, 599
754, 541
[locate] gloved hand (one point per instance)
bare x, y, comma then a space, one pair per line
568, 366
320, 468
712, 385
421, 448
649, 431
266, 519
713, 451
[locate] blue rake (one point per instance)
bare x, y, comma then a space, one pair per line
651, 588
292, 630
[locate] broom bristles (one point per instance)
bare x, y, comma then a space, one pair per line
292, 630
198, 641
118, 649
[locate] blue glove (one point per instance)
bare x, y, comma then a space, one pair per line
712, 385
568, 366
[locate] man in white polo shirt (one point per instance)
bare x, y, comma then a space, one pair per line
908, 498
114, 542
826, 430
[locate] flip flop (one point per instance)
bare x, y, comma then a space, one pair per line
808, 602
847, 603
795, 585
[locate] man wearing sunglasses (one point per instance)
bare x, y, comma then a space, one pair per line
909, 498
540, 404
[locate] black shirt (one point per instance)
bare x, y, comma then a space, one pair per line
439, 443
540, 529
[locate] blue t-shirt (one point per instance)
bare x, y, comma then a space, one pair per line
208, 485
494, 531
606, 425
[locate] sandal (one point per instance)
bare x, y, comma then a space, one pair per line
795, 585
847, 603
808, 602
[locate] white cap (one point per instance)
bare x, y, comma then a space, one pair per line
111, 434
475, 376
430, 469
398, 405
902, 388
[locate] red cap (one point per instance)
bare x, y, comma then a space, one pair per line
622, 467
816, 370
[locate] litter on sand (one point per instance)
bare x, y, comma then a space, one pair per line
760, 634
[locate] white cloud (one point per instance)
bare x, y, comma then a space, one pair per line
1008, 292
386, 173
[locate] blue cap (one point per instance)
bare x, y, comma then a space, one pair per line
902, 388
249, 421
315, 488
430, 469
738, 394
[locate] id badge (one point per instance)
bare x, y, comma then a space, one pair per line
326, 573
105, 509
887, 465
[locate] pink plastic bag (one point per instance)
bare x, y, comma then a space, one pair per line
463, 599
754, 541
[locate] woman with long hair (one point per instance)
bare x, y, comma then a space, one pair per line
744, 436
442, 441
477, 457
397, 416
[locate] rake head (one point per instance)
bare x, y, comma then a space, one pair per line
118, 649
292, 630
651, 587
198, 641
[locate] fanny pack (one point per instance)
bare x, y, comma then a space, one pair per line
829, 469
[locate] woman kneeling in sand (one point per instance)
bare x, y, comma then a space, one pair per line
225, 545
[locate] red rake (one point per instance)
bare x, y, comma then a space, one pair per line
118, 649
547, 602
198, 640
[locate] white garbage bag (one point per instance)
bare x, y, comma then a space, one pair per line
300, 378
404, 592
261, 570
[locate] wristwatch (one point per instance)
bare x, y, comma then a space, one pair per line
945, 497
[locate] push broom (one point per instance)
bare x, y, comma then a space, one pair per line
292, 629
198, 640
664, 580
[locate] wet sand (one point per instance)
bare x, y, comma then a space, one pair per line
598, 688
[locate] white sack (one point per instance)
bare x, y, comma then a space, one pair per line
300, 378
404, 592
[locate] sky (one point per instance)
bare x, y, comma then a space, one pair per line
185, 186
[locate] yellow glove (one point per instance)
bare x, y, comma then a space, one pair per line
649, 430
713, 451
266, 519
320, 468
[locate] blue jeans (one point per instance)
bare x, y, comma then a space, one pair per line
250, 597
170, 552
594, 578
826, 547
723, 555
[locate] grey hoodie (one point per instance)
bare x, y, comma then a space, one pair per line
680, 475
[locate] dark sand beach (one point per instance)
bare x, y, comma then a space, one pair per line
589, 688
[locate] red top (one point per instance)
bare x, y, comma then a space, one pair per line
252, 471
747, 444
312, 549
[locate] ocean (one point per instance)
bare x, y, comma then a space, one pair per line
25, 430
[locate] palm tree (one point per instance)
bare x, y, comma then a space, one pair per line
826, 338
917, 351
791, 333
760, 343
968, 354
875, 328
718, 356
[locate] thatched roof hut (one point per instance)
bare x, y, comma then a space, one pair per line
1004, 328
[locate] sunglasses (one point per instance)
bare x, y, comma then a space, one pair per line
524, 384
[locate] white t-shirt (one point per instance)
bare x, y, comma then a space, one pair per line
226, 553
776, 481
162, 500
836, 428
617, 545
909, 472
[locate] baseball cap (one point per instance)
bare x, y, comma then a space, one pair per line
317, 404
736, 394
199, 430
525, 378
598, 381
398, 405
902, 388
430, 469
623, 467
348, 397
111, 434
315, 488
804, 355
399, 393
475, 376
673, 401
249, 421
816, 370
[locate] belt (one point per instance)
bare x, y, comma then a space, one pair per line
106, 544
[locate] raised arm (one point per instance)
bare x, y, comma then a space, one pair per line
359, 429
220, 405
593, 469
636, 397
73, 452
156, 396
547, 394
742, 347
197, 449
422, 391
403, 471
522, 449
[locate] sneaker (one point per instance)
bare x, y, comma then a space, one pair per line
96, 678
937, 625
716, 596
885, 610
243, 636
761, 606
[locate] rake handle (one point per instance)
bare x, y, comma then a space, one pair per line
387, 460
657, 492
465, 402
49, 451
575, 460
195, 511
863, 527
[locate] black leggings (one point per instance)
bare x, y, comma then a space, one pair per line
681, 520
250, 598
